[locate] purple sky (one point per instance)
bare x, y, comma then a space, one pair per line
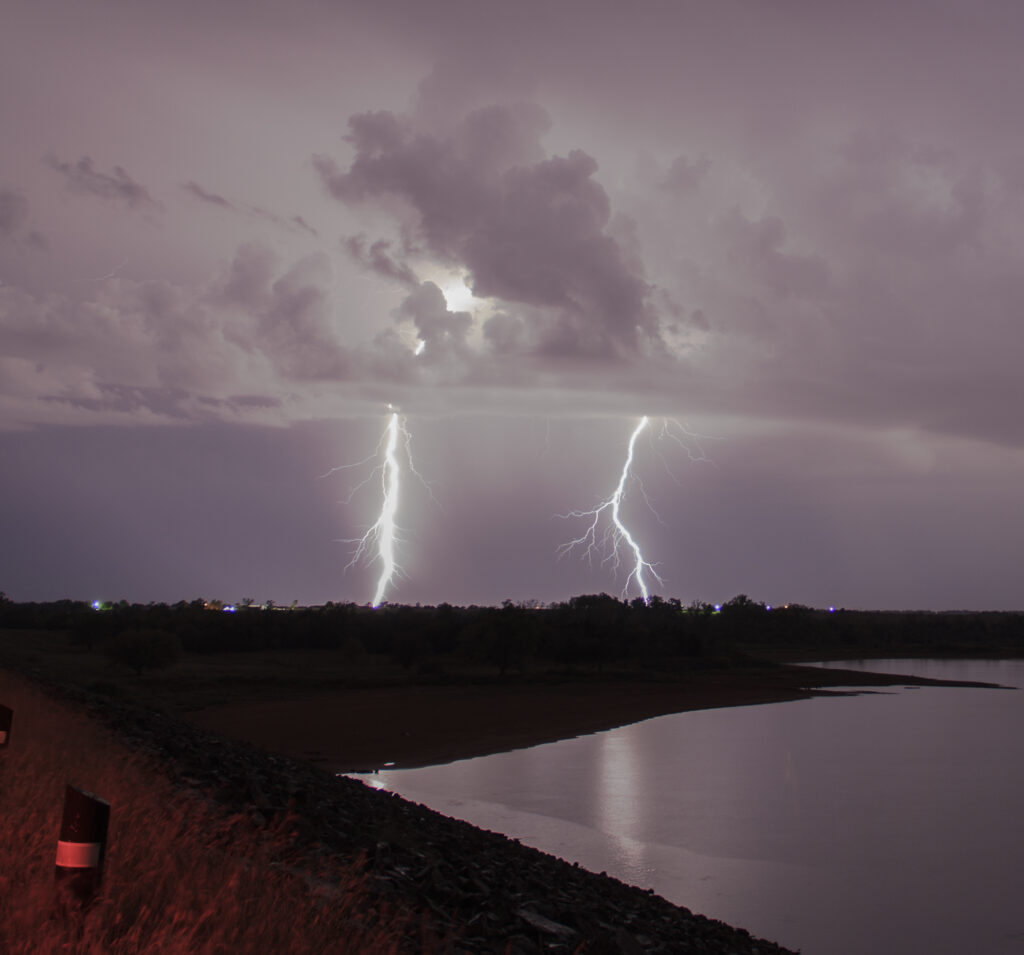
231, 233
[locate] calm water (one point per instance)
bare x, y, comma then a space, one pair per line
884, 823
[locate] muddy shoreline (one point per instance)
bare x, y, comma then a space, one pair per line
361, 729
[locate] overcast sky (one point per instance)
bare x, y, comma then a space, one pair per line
232, 233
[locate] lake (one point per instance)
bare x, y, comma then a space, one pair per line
886, 822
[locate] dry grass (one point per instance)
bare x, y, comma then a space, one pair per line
180, 875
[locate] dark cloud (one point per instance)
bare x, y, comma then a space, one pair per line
200, 193
162, 402
438, 327
291, 223
117, 186
531, 231
282, 222
376, 258
254, 401
241, 402
504, 333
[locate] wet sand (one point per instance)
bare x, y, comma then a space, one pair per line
407, 726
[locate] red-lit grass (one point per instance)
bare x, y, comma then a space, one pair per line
180, 875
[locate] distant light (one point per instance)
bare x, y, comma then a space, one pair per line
718, 608
230, 608
831, 609
96, 605
768, 607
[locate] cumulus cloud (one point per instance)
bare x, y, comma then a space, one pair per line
243, 344
287, 316
439, 328
117, 186
376, 257
532, 232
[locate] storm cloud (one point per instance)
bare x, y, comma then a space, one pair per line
796, 227
376, 257
529, 231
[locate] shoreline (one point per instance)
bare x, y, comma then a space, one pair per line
359, 730
433, 883
460, 884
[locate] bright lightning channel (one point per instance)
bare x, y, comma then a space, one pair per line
384, 528
611, 541
383, 534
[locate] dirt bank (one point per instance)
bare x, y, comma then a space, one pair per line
364, 728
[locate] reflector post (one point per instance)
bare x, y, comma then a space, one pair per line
82, 844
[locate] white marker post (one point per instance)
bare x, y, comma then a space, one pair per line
82, 845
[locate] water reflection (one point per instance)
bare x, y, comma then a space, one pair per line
883, 822
619, 808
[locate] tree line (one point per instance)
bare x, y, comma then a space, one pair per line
594, 631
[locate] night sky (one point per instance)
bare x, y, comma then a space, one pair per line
232, 233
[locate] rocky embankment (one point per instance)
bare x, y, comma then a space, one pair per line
471, 890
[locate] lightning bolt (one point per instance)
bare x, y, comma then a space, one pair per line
383, 535
384, 529
616, 535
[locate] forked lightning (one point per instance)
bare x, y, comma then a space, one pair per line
610, 542
383, 534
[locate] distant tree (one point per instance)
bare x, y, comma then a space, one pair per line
742, 602
140, 649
